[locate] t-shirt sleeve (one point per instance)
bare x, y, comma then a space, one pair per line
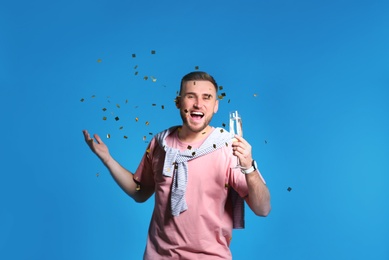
144, 174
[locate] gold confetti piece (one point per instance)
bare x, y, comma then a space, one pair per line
136, 73
136, 119
104, 118
163, 107
97, 174
117, 105
221, 130
289, 189
214, 146
255, 95
145, 78
93, 96
120, 128
126, 101
203, 133
227, 144
150, 133
226, 185
153, 79
189, 147
194, 82
224, 125
220, 97
153, 52
147, 123
133, 55
229, 100
137, 187
196, 67
104, 109
108, 136
82, 100
220, 87
179, 129
117, 118
194, 153
99, 60
153, 105
125, 137
265, 142
148, 151
136, 66
223, 94
144, 138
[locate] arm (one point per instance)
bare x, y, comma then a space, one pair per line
259, 196
123, 177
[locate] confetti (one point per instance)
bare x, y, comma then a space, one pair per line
265, 142
148, 151
136, 119
153, 52
194, 153
145, 77
97, 174
120, 128
163, 107
150, 133
82, 100
136, 66
227, 144
186, 111
125, 137
153, 79
104, 118
224, 125
226, 185
289, 189
126, 101
255, 95
134, 55
220, 87
144, 138
117, 118
214, 146
137, 187
117, 105
196, 67
104, 109
136, 73
221, 130
229, 100
99, 60
203, 133
93, 96
147, 123
189, 147
108, 136
153, 105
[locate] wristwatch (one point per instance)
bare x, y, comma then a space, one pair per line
251, 169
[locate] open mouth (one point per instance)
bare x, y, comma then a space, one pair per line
196, 115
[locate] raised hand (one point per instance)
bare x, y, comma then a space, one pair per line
242, 149
98, 147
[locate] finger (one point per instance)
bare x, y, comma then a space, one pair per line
241, 139
98, 139
87, 136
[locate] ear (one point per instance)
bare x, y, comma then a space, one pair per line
177, 101
216, 107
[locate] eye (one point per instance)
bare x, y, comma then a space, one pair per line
207, 96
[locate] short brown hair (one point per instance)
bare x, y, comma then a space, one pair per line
198, 75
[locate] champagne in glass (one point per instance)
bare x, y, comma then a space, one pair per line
236, 127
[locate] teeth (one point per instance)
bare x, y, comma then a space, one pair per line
197, 113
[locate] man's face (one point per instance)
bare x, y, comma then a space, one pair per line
197, 104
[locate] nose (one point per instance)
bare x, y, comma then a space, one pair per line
198, 104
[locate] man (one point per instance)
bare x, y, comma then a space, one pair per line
191, 169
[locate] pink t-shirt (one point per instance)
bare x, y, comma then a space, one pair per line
204, 230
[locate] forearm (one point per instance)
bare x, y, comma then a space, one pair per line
124, 179
259, 195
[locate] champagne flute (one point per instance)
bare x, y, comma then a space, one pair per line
236, 127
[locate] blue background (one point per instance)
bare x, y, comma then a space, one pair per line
309, 77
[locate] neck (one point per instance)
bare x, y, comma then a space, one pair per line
188, 136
